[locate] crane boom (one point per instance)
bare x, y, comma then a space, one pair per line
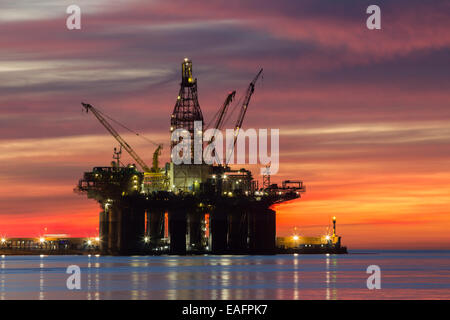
223, 110
248, 95
116, 135
221, 116
240, 119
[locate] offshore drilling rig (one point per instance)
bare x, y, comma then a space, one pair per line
184, 208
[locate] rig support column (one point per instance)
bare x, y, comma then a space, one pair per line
155, 226
115, 226
262, 231
237, 230
132, 229
195, 221
103, 230
271, 232
177, 231
218, 230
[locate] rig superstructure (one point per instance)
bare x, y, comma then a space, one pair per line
184, 208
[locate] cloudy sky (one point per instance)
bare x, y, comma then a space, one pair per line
364, 115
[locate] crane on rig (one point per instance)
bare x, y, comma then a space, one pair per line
244, 107
220, 118
223, 111
116, 135
152, 176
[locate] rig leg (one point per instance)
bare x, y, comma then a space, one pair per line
155, 226
218, 230
238, 231
115, 226
196, 223
103, 231
271, 233
177, 231
132, 229
262, 231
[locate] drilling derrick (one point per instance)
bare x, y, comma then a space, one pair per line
187, 109
187, 177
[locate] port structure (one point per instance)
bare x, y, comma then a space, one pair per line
192, 208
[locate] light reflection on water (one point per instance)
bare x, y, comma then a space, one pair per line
2, 278
41, 278
405, 275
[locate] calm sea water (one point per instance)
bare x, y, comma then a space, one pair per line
405, 275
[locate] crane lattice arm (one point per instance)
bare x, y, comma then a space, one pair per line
240, 119
223, 110
221, 117
248, 95
116, 135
